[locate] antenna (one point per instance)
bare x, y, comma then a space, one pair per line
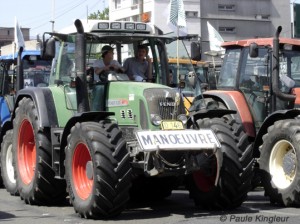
53, 15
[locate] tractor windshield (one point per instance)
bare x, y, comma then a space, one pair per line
163, 72
181, 64
36, 71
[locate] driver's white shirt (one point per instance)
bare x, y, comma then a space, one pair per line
100, 64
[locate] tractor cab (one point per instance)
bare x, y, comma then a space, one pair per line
124, 38
248, 68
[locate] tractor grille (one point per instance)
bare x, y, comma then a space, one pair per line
162, 102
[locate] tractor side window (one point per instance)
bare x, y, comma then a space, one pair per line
293, 71
254, 72
254, 79
228, 73
66, 63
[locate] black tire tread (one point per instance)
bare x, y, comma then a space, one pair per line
283, 129
9, 186
112, 170
45, 189
237, 168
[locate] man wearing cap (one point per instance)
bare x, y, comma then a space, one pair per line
106, 64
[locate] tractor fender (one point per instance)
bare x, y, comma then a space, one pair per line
207, 113
82, 117
235, 100
44, 102
270, 120
5, 114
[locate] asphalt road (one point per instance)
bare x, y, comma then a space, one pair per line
177, 208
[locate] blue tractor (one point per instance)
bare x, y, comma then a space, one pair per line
24, 69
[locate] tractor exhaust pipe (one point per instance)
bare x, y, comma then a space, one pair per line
80, 66
275, 72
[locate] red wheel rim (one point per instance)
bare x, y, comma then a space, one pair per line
203, 182
26, 152
83, 185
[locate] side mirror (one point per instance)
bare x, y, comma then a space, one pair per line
48, 49
253, 50
181, 84
287, 81
195, 51
191, 76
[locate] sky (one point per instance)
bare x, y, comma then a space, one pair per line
38, 14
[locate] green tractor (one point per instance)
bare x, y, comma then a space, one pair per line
102, 143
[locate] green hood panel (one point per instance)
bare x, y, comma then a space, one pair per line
64, 112
132, 102
117, 89
127, 100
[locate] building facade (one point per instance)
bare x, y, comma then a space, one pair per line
7, 35
233, 19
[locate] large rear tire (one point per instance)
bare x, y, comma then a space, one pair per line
98, 170
35, 177
279, 162
7, 168
236, 172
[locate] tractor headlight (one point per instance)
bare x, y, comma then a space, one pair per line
182, 118
156, 119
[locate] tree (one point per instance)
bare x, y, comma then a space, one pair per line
104, 15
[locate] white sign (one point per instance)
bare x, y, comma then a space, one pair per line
177, 140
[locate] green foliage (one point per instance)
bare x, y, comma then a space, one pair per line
104, 15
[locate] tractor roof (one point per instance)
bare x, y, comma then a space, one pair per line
260, 42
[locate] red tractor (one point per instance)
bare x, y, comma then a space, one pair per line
260, 80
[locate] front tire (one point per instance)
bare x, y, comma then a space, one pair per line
236, 171
7, 168
35, 177
279, 162
98, 171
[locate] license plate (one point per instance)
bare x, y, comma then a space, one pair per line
177, 140
171, 125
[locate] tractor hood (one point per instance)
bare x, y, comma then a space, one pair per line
138, 102
132, 91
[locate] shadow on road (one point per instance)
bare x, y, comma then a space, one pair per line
179, 203
5, 215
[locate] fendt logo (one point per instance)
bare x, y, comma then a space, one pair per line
167, 104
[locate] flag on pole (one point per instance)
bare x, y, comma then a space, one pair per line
176, 19
215, 39
19, 39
